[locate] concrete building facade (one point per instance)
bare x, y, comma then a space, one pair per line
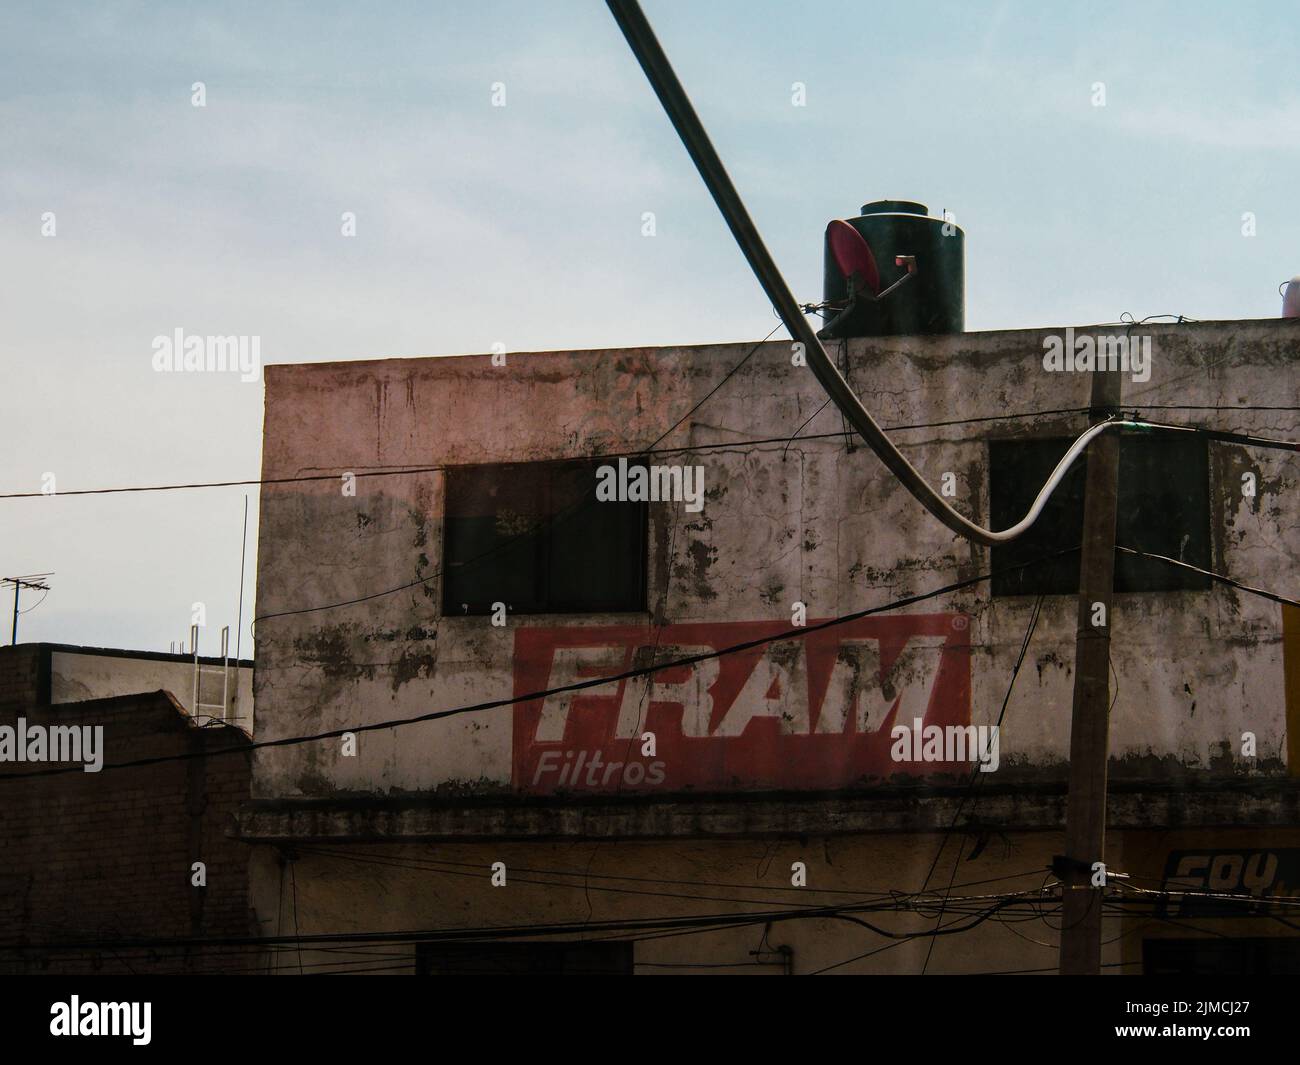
436, 553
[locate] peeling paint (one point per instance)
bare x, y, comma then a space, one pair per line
817, 521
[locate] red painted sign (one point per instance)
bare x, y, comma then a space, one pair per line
812, 712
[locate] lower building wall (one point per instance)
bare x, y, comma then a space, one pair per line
580, 889
92, 863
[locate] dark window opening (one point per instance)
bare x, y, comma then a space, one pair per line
535, 537
1164, 509
523, 959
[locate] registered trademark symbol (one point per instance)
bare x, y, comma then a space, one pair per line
960, 622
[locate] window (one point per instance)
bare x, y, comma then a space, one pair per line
523, 959
534, 536
1164, 509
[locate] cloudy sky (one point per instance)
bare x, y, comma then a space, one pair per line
522, 224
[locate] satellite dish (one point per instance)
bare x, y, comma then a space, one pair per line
853, 256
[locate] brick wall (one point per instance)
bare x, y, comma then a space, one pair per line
88, 857
24, 679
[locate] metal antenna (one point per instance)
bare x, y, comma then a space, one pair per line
34, 581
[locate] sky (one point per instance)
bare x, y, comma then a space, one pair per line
522, 225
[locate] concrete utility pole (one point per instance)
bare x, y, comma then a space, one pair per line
1085, 821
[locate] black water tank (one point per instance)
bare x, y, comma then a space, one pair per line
932, 301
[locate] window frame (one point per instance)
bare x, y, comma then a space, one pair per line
1190, 582
547, 603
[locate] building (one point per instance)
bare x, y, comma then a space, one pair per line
96, 860
448, 548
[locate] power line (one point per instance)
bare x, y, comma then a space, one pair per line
434, 864
1214, 407
1064, 463
970, 785
546, 522
627, 675
689, 660
1209, 574
1218, 577
1062, 466
688, 448
654, 449
982, 905
677, 106
677, 927
730, 374
1222, 435
477, 874
976, 776
549, 521
576, 507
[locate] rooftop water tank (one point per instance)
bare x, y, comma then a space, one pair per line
894, 271
1291, 298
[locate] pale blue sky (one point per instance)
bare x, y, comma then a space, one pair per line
522, 224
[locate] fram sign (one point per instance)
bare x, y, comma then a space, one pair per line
813, 712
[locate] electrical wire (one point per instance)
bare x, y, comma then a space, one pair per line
648, 52
645, 692
38, 602
372, 944
478, 874
981, 906
548, 521
976, 776
709, 395
404, 471
1220, 435
293, 879
788, 634
576, 508
1217, 577
658, 70
797, 632
432, 864
475, 871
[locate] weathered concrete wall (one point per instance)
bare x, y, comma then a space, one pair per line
369, 889
584, 884
819, 521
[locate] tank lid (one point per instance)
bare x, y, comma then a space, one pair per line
894, 207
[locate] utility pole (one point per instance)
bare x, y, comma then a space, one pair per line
1085, 819
34, 581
